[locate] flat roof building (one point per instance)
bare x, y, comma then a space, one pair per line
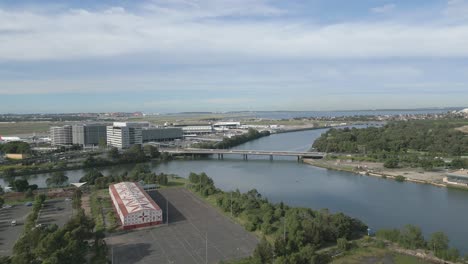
125, 134
134, 206
197, 130
61, 135
89, 134
158, 134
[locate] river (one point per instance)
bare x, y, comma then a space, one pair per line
380, 203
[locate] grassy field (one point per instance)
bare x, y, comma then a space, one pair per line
21, 128
373, 255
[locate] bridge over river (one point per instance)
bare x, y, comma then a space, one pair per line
244, 153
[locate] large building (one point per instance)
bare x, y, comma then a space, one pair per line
158, 134
61, 135
125, 134
197, 130
89, 134
133, 205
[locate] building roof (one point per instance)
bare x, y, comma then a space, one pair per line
132, 198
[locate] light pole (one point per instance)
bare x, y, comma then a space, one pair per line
206, 247
231, 203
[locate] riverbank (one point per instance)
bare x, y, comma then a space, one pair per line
376, 169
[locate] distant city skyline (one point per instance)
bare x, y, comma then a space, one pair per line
232, 55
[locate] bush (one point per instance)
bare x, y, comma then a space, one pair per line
400, 178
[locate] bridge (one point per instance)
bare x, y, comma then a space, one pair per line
245, 153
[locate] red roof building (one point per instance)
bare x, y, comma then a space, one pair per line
134, 206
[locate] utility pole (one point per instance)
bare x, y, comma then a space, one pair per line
231, 204
206, 248
167, 212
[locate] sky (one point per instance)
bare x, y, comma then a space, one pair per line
163, 56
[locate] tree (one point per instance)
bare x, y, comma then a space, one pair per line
152, 151
1, 190
102, 143
2, 201
113, 153
91, 176
411, 237
20, 185
391, 163
263, 252
438, 242
58, 178
342, 244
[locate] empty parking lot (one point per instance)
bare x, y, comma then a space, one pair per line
8, 233
56, 211
184, 239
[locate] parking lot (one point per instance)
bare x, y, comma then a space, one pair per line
8, 233
56, 211
191, 221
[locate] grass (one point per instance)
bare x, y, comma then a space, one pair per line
376, 255
18, 128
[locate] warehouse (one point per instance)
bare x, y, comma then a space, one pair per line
134, 206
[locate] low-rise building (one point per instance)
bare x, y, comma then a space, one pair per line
134, 206
197, 130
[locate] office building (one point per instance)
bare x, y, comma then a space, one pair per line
61, 135
125, 134
89, 134
158, 134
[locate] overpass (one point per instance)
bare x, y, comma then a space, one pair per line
244, 153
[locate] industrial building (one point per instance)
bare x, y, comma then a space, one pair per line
197, 130
133, 205
158, 134
61, 135
227, 125
89, 134
125, 134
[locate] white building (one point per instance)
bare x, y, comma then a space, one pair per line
197, 130
133, 205
125, 134
61, 135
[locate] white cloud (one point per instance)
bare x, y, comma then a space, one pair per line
196, 31
457, 9
383, 9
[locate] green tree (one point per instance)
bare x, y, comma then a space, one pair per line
438, 242
20, 185
263, 252
152, 151
91, 176
2, 201
102, 143
411, 237
342, 244
113, 153
58, 178
391, 163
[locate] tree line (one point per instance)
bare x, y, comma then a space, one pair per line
417, 143
291, 235
411, 237
75, 242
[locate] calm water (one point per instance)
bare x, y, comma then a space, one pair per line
378, 202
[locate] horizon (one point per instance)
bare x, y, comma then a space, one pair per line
249, 55
448, 108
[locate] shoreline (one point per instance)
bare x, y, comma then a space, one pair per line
379, 175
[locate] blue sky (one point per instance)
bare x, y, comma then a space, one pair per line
224, 55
